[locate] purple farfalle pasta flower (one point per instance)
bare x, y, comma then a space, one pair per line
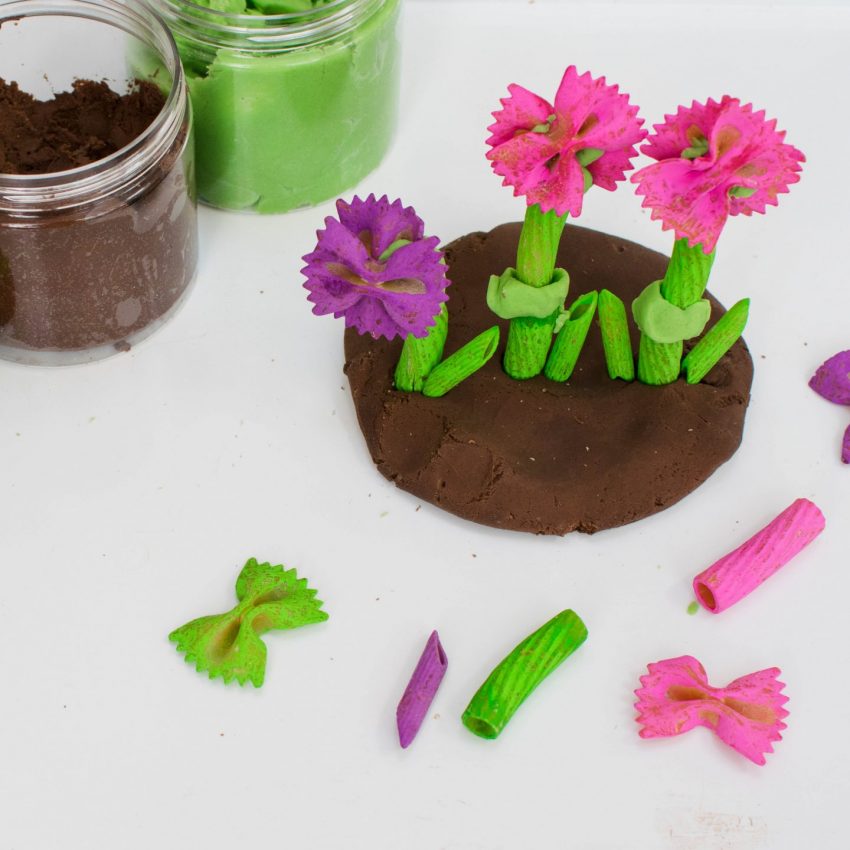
421, 689
375, 267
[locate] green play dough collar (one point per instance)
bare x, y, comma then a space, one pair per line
509, 298
664, 322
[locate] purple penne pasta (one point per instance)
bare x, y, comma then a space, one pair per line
421, 689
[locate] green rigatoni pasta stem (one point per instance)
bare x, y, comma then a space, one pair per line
420, 356
702, 358
684, 283
615, 337
570, 339
463, 363
521, 672
529, 339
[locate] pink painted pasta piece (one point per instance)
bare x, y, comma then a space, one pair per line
747, 714
740, 572
421, 689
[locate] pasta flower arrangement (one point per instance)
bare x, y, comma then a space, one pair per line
713, 160
374, 267
552, 154
530, 438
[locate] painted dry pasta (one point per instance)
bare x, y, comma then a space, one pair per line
528, 664
748, 714
421, 690
553, 153
228, 645
832, 382
374, 267
713, 160
739, 573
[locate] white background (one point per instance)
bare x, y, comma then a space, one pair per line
133, 490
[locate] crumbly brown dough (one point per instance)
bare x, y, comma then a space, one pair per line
101, 275
73, 128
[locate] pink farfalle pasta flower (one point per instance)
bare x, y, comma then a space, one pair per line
714, 160
747, 714
543, 149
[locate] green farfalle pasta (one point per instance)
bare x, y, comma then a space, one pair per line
228, 645
521, 672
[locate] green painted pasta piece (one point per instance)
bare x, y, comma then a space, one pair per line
228, 645
521, 672
463, 363
570, 339
529, 339
658, 361
615, 336
703, 357
683, 285
420, 356
538, 245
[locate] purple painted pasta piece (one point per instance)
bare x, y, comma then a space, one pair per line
740, 572
845, 446
832, 379
421, 689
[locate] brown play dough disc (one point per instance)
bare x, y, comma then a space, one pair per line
541, 456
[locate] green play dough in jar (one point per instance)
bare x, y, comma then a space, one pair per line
278, 129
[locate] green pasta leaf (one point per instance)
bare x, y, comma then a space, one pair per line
420, 356
705, 355
615, 336
228, 645
521, 672
464, 362
571, 337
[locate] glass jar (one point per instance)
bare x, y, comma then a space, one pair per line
94, 258
290, 109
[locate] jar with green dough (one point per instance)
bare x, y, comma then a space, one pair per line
294, 100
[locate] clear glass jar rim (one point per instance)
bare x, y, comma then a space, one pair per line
109, 12
309, 25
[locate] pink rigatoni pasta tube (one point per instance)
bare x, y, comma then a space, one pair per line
421, 690
740, 572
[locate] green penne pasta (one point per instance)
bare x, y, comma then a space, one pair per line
420, 356
464, 362
529, 338
705, 355
521, 672
615, 336
683, 285
570, 339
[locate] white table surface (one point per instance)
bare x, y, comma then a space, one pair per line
134, 489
